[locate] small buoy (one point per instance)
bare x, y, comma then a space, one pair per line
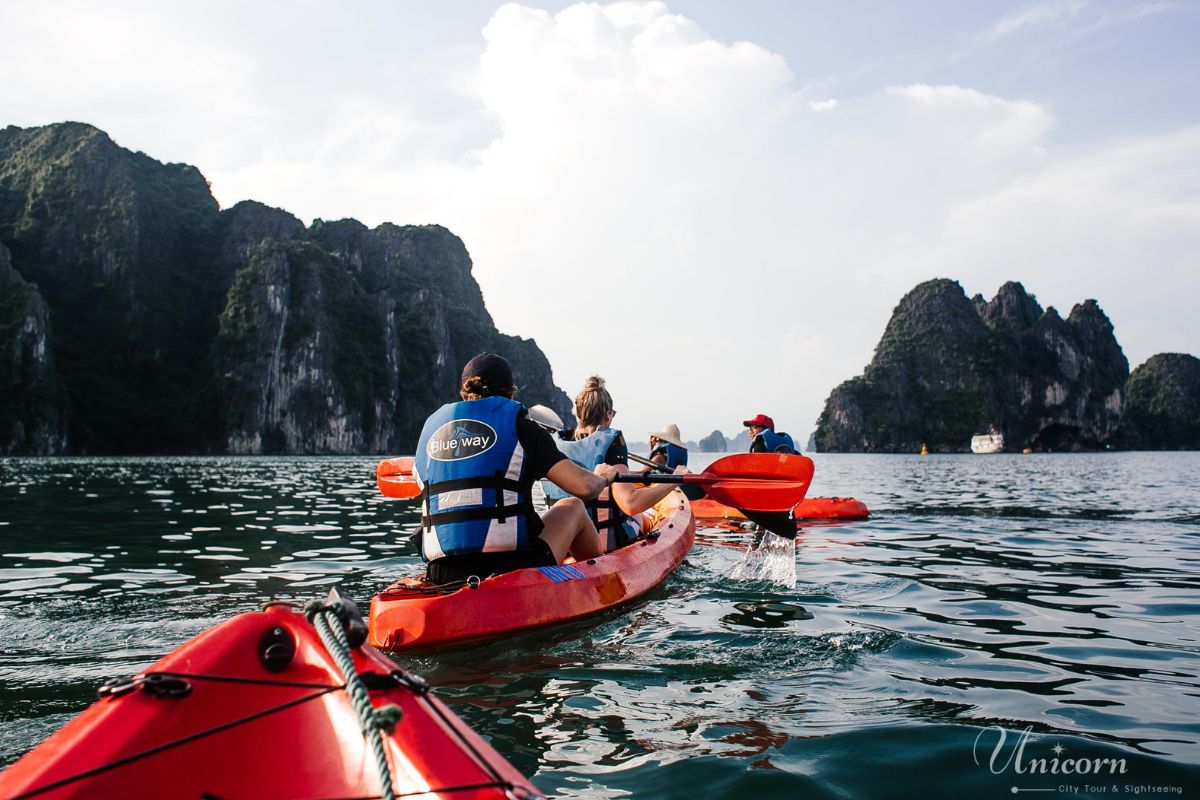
924, 449
1027, 450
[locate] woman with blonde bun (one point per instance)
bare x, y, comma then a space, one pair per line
617, 511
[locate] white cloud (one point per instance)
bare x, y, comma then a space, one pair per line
649, 176
1121, 224
677, 213
1074, 19
1050, 15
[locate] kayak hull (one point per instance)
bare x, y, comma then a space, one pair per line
413, 614
242, 730
830, 508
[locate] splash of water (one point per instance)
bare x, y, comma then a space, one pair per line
773, 559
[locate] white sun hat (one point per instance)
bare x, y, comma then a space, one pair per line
670, 434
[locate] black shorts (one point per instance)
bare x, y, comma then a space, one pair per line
458, 568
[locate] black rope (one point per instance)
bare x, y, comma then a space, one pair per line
253, 681
169, 745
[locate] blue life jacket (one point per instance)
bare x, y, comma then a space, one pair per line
611, 522
777, 442
470, 467
675, 455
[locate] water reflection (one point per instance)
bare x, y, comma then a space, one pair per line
983, 592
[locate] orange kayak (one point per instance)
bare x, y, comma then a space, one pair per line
414, 613
257, 707
808, 508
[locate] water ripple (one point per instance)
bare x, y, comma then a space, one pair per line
1049, 594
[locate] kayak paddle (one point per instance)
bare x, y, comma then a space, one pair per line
395, 478
763, 486
781, 523
547, 417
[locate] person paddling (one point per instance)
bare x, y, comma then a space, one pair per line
667, 448
764, 439
476, 462
617, 512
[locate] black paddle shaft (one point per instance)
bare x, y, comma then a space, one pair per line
642, 477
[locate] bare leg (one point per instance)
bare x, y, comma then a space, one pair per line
568, 528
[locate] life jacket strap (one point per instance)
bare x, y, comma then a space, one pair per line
497, 482
471, 514
615, 515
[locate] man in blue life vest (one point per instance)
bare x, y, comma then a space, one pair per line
476, 462
764, 439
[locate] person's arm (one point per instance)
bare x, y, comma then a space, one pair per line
634, 499
570, 477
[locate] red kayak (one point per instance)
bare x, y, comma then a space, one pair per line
414, 613
830, 508
257, 707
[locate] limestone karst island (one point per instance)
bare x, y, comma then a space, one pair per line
136, 316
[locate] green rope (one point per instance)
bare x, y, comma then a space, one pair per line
327, 619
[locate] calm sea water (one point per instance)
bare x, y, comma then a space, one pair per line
990, 601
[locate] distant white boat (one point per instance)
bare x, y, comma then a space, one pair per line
986, 443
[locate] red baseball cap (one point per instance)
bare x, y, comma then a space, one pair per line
761, 421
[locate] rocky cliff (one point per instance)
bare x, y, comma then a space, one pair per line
31, 399
949, 367
713, 443
168, 325
1162, 409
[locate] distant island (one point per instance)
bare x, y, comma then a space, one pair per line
136, 316
715, 442
949, 367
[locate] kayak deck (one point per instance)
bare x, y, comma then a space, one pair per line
212, 719
414, 613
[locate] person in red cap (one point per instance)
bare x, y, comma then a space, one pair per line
476, 462
764, 439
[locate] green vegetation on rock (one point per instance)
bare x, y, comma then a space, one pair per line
174, 326
948, 367
1163, 404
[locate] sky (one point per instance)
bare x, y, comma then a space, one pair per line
715, 206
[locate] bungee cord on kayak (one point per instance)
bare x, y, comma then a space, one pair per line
332, 618
161, 718
121, 762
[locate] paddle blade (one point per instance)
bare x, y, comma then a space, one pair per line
395, 478
780, 523
759, 481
